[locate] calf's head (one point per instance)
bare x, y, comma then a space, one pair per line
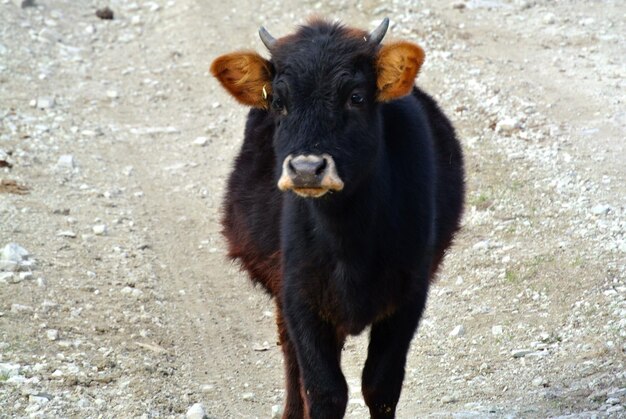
323, 86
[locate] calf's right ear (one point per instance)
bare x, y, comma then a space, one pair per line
245, 75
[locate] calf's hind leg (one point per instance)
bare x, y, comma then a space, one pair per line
294, 407
384, 368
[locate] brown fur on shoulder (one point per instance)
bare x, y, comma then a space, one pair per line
397, 65
246, 76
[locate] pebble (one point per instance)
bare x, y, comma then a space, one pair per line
38, 399
4, 159
207, 388
67, 233
45, 102
201, 141
600, 209
99, 229
448, 399
497, 330
25, 276
507, 126
520, 353
6, 277
8, 369
538, 381
247, 396
458, 331
619, 393
105, 13
481, 245
549, 18
66, 161
24, 3
154, 130
14, 252
196, 411
52, 334
614, 409
14, 258
113, 94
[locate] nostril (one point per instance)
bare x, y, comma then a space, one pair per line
321, 168
290, 167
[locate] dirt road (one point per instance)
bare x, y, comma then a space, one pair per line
126, 306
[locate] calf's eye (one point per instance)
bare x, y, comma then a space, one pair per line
277, 104
356, 99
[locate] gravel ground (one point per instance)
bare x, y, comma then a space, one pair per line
116, 299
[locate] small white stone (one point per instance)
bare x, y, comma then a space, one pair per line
99, 229
14, 252
112, 94
601, 209
45, 102
26, 276
247, 396
67, 233
196, 411
497, 330
201, 141
66, 161
6, 277
9, 370
481, 245
549, 18
538, 381
507, 126
448, 399
357, 401
52, 334
458, 331
207, 388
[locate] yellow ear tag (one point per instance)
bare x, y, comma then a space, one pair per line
264, 92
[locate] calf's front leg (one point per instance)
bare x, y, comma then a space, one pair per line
383, 373
318, 349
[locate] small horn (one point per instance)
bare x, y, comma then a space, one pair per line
267, 39
378, 34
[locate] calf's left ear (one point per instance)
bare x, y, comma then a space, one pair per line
246, 75
397, 65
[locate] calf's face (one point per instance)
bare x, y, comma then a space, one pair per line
322, 87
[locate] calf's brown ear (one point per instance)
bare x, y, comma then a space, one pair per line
397, 65
246, 75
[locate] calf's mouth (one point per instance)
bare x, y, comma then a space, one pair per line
310, 176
